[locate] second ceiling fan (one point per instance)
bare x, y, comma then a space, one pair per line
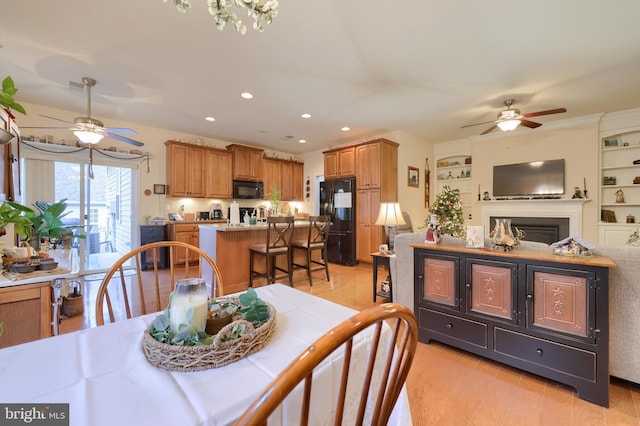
510, 118
88, 129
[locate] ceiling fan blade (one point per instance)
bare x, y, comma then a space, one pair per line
477, 124
547, 112
490, 129
46, 127
529, 124
57, 119
121, 130
123, 139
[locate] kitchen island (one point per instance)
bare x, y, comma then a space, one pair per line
229, 246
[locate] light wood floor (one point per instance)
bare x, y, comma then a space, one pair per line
451, 387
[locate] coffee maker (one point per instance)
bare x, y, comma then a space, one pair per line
216, 211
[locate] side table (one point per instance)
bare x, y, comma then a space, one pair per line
382, 259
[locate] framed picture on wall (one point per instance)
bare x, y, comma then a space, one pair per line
413, 177
159, 188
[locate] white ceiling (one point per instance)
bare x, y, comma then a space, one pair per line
422, 66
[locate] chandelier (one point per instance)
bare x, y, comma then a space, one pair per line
262, 11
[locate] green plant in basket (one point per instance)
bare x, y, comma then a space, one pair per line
252, 308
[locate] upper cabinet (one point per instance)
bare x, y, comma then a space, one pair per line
340, 163
368, 166
219, 165
247, 162
284, 175
377, 168
185, 170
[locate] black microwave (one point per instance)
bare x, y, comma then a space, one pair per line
248, 190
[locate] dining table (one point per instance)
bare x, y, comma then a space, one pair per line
104, 376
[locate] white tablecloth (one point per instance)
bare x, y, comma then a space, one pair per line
104, 376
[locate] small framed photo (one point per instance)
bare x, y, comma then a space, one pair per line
413, 177
159, 188
475, 237
610, 142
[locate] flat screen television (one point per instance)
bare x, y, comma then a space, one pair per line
529, 179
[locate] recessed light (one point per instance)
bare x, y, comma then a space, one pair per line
209, 118
247, 95
345, 129
306, 115
302, 141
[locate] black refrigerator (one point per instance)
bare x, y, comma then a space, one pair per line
338, 200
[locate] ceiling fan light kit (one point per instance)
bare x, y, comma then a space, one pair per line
89, 130
511, 118
88, 137
509, 125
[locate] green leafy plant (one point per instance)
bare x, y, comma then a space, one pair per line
48, 220
274, 198
252, 308
18, 215
6, 96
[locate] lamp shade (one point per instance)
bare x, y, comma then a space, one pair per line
509, 125
88, 137
390, 214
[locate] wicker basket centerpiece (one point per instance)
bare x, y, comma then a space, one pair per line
236, 340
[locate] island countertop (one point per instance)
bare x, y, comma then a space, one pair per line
224, 227
229, 246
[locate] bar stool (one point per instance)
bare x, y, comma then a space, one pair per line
316, 240
279, 235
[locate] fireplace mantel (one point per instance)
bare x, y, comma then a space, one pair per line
565, 208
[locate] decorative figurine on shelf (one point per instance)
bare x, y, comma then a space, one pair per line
486, 196
577, 193
433, 230
619, 196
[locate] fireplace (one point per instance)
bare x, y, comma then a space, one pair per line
570, 209
542, 229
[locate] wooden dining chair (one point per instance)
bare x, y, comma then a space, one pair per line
317, 239
128, 290
392, 357
278, 244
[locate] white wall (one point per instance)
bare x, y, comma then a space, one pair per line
153, 139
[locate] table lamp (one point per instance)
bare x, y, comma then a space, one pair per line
390, 215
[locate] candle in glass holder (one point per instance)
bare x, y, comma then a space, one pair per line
189, 293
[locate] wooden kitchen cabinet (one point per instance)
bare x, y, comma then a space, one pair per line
376, 182
285, 175
187, 233
536, 311
368, 166
26, 311
369, 235
340, 163
218, 174
247, 162
10, 161
185, 170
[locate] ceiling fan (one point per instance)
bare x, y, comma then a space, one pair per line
510, 118
89, 130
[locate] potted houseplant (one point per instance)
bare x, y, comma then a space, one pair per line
18, 215
274, 198
6, 97
47, 223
